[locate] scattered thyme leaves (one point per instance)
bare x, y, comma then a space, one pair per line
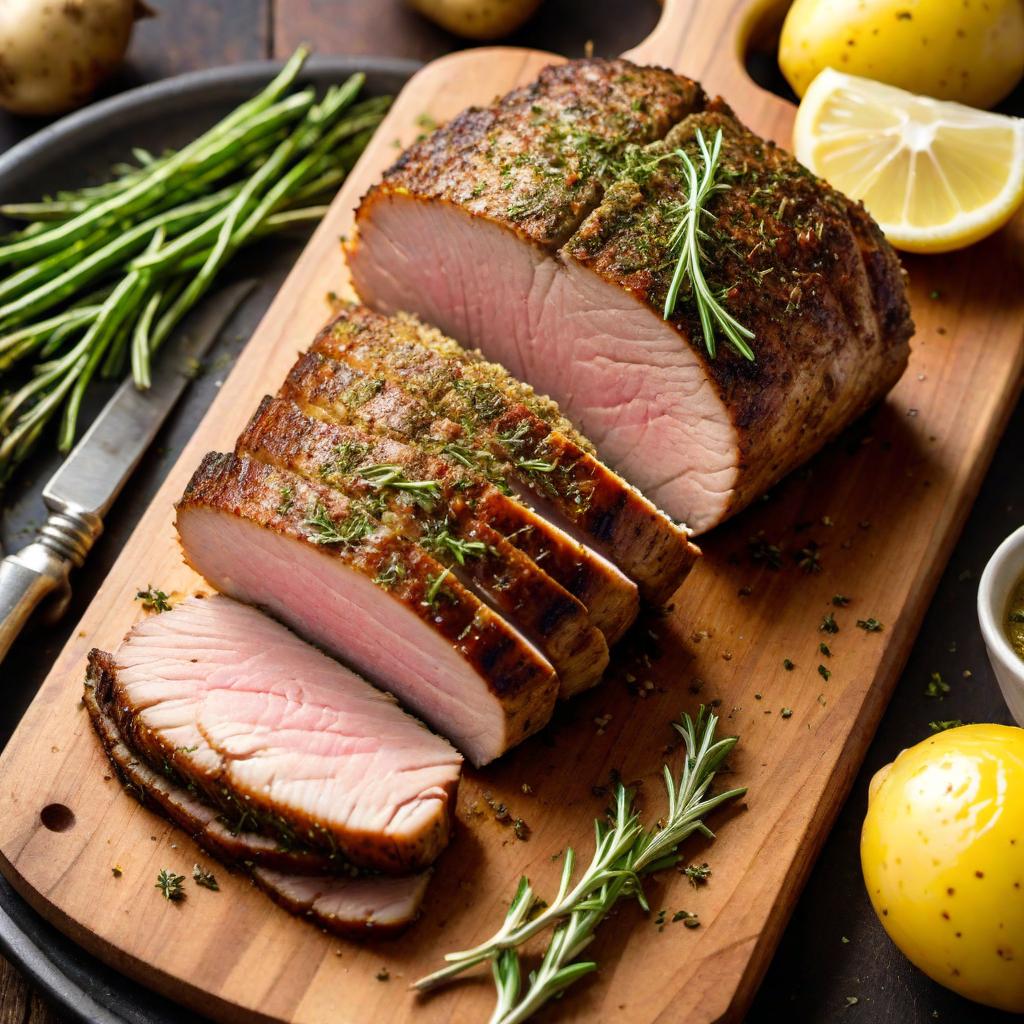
153, 600
786, 712
698, 874
824, 672
350, 530
870, 625
840, 600
171, 886
824, 648
829, 624
942, 726
287, 500
788, 665
809, 559
204, 878
937, 687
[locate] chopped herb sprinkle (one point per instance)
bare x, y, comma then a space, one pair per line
829, 624
788, 665
153, 600
937, 687
870, 625
840, 600
205, 878
172, 886
942, 726
824, 672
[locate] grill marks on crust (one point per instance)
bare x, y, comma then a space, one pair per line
457, 398
512, 685
537, 159
327, 389
347, 905
282, 435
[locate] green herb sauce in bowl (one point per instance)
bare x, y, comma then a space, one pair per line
1015, 618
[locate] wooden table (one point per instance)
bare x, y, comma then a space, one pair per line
835, 958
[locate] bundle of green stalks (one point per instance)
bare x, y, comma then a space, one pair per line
99, 277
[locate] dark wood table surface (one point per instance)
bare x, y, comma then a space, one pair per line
835, 961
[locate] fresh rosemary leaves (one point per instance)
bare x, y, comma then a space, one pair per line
686, 241
625, 852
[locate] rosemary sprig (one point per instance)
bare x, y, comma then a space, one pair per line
686, 239
624, 852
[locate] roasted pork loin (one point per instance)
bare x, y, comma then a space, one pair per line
325, 390
325, 565
271, 730
553, 259
450, 395
420, 499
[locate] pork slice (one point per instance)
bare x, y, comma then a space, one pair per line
274, 731
165, 792
348, 906
323, 565
303, 880
477, 400
419, 498
325, 389
702, 435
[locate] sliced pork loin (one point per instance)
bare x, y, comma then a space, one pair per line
325, 390
348, 906
523, 436
322, 563
271, 729
208, 825
304, 881
422, 500
568, 293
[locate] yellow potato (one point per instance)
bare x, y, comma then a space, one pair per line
477, 19
971, 51
942, 850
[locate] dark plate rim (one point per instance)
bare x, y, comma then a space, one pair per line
78, 986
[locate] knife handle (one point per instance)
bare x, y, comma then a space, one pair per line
42, 569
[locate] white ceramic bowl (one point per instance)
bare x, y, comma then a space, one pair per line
1004, 568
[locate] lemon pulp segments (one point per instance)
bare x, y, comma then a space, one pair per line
935, 175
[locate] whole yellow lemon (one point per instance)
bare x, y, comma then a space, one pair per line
971, 51
942, 852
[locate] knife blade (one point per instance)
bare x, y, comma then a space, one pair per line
89, 480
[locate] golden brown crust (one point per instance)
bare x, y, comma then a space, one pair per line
803, 267
340, 457
473, 404
537, 159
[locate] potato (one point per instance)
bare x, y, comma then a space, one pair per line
964, 50
942, 850
54, 54
477, 19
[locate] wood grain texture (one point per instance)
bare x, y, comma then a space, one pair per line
884, 505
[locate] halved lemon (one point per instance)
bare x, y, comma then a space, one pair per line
935, 175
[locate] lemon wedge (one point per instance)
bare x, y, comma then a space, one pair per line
935, 175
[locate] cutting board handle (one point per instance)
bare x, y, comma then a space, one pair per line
707, 40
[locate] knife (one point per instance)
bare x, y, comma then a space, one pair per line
82, 491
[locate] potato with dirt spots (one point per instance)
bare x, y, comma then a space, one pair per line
942, 850
54, 53
970, 51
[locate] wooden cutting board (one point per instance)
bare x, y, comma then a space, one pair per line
877, 513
